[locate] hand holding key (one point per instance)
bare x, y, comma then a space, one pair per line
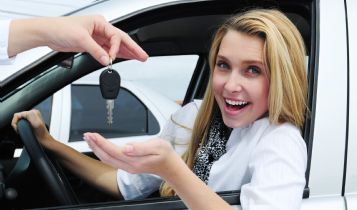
92, 34
109, 83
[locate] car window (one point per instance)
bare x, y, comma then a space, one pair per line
88, 113
45, 107
168, 75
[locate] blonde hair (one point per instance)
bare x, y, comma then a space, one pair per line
284, 55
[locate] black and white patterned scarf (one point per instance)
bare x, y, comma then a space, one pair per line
213, 149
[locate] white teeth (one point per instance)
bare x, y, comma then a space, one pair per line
234, 103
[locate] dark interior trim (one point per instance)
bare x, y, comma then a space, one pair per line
30, 71
313, 73
174, 203
199, 80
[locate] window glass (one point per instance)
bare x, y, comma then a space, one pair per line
45, 108
168, 75
89, 114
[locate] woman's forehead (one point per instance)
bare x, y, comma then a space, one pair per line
237, 45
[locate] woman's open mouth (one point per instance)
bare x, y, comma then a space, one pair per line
232, 105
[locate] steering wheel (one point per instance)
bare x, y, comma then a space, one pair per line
52, 177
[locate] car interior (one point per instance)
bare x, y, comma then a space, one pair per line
169, 29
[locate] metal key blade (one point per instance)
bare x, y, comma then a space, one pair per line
110, 107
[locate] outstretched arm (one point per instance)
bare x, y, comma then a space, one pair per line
92, 34
158, 157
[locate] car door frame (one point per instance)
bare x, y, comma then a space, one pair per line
350, 181
325, 184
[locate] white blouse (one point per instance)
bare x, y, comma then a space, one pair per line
266, 162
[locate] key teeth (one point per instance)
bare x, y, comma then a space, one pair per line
110, 107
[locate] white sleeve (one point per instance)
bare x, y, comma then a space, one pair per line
4, 41
178, 129
278, 166
137, 186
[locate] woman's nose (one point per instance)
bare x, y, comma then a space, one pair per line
234, 83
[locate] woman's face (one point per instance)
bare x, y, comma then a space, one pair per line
240, 82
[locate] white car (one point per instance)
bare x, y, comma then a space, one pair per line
182, 27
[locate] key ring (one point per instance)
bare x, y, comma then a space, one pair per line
110, 67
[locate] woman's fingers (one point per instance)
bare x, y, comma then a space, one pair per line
104, 157
117, 40
138, 157
96, 51
91, 140
108, 147
16, 118
135, 50
35, 119
33, 116
104, 33
96, 142
114, 42
151, 147
118, 161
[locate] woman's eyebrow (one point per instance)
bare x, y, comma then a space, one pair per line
256, 62
222, 57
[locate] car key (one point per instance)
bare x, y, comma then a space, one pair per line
109, 83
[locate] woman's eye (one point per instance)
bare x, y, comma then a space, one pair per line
222, 65
253, 70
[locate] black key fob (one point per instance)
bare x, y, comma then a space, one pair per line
109, 82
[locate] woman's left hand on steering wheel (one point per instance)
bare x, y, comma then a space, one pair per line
35, 119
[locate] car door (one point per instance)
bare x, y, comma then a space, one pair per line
350, 189
327, 152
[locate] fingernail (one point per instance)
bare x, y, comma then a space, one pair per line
144, 57
104, 60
